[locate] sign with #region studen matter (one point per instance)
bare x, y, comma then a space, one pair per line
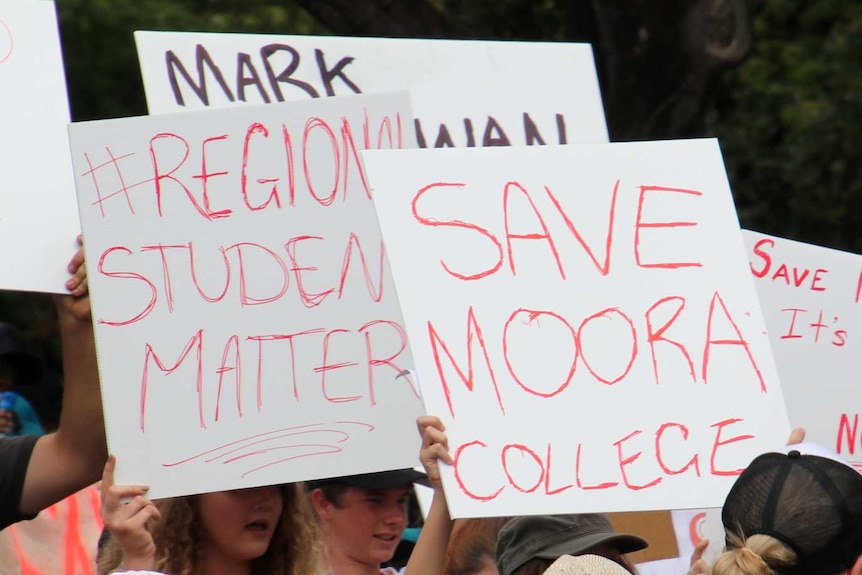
246, 325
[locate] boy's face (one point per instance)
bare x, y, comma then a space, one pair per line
365, 525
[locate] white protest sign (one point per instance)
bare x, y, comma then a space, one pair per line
812, 302
584, 322
38, 214
247, 329
463, 92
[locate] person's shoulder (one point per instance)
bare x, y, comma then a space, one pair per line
391, 571
20, 444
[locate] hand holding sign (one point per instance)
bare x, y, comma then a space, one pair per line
127, 514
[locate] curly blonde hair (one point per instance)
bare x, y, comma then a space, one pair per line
179, 536
755, 555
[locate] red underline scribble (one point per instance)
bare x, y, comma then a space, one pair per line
250, 449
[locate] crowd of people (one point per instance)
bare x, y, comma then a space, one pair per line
795, 512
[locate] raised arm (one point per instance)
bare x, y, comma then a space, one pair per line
429, 554
71, 458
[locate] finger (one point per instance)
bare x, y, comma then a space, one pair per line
425, 421
141, 520
698, 550
437, 453
435, 436
82, 288
77, 261
135, 505
118, 516
79, 275
113, 506
699, 567
796, 436
127, 492
108, 473
112, 494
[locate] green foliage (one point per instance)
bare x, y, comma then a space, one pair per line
790, 123
508, 19
101, 60
33, 321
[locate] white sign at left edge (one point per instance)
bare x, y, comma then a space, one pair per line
38, 212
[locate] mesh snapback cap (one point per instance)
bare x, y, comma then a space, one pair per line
812, 504
552, 536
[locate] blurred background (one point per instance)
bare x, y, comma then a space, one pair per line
778, 82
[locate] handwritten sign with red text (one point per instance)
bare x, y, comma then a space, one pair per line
247, 329
812, 301
38, 214
464, 93
583, 320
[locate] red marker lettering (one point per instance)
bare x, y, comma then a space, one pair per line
604, 267
371, 361
195, 343
462, 225
236, 368
580, 484
127, 275
604, 314
159, 175
309, 300
336, 159
794, 311
719, 443
349, 146
545, 235
438, 345
374, 292
290, 340
273, 195
764, 255
326, 367
522, 450
244, 298
205, 177
456, 464
640, 224
693, 462
548, 490
654, 336
847, 435
625, 461
740, 341
166, 274
534, 315
816, 279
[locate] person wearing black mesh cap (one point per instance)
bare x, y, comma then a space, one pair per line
798, 513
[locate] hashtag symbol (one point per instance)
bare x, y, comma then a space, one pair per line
117, 180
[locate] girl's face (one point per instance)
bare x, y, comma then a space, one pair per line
239, 525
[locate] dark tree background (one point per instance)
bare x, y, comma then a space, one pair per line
776, 81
